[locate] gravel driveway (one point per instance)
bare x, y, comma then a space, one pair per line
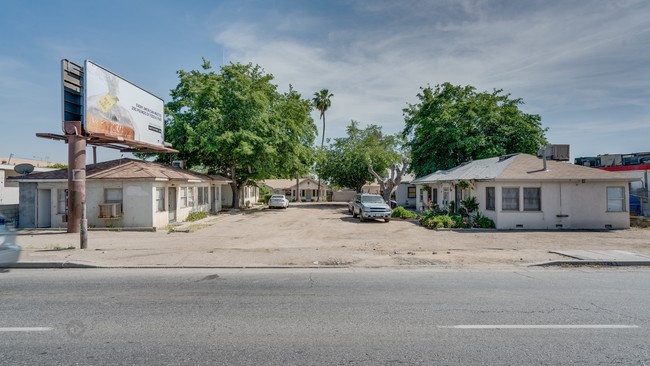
322, 234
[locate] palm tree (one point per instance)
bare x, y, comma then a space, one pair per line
322, 102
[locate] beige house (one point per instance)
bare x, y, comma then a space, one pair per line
307, 189
517, 192
121, 193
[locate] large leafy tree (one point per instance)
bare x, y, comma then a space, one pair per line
347, 160
322, 102
235, 123
454, 124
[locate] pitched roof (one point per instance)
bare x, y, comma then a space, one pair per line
131, 169
287, 183
519, 167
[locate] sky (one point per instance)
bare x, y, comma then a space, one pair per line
583, 66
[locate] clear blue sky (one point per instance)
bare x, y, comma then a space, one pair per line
584, 66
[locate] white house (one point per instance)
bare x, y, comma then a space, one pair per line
120, 193
308, 188
517, 192
406, 192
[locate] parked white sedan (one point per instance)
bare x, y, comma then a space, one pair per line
9, 250
279, 201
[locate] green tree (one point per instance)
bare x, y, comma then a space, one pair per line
322, 101
236, 124
347, 160
454, 124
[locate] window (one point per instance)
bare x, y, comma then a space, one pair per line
490, 198
190, 196
160, 199
510, 199
202, 196
615, 199
113, 195
532, 199
183, 197
62, 201
434, 196
302, 193
446, 192
411, 192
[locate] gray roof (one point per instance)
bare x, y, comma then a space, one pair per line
520, 167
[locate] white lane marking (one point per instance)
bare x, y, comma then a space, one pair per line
541, 326
25, 329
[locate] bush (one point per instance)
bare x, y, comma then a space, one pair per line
483, 222
265, 198
402, 213
194, 216
432, 221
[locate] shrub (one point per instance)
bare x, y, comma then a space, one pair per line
194, 216
432, 221
483, 222
402, 213
265, 198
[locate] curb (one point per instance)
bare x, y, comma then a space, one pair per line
613, 263
50, 265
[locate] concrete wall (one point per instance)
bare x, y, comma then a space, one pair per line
344, 195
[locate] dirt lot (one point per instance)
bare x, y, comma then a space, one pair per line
323, 235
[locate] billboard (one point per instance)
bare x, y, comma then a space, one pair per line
116, 107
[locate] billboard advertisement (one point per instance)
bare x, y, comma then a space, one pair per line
116, 107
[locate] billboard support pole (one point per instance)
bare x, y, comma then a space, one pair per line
76, 176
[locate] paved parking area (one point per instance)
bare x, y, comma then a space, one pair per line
320, 235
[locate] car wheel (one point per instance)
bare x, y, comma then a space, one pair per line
361, 218
386, 220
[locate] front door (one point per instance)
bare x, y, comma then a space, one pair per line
171, 204
44, 211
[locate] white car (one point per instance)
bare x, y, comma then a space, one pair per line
279, 201
9, 250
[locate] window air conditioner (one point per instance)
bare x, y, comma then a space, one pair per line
110, 210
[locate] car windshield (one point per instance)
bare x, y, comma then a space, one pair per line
372, 199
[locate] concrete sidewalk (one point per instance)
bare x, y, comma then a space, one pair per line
266, 239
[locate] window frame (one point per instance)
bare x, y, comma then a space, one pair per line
411, 192
490, 199
160, 200
62, 202
503, 198
621, 199
539, 199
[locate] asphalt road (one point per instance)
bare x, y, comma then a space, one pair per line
325, 316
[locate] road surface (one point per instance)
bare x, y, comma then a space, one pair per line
325, 316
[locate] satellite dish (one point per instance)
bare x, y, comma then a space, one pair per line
24, 168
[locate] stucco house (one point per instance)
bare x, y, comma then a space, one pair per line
406, 192
9, 190
121, 193
518, 192
308, 188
